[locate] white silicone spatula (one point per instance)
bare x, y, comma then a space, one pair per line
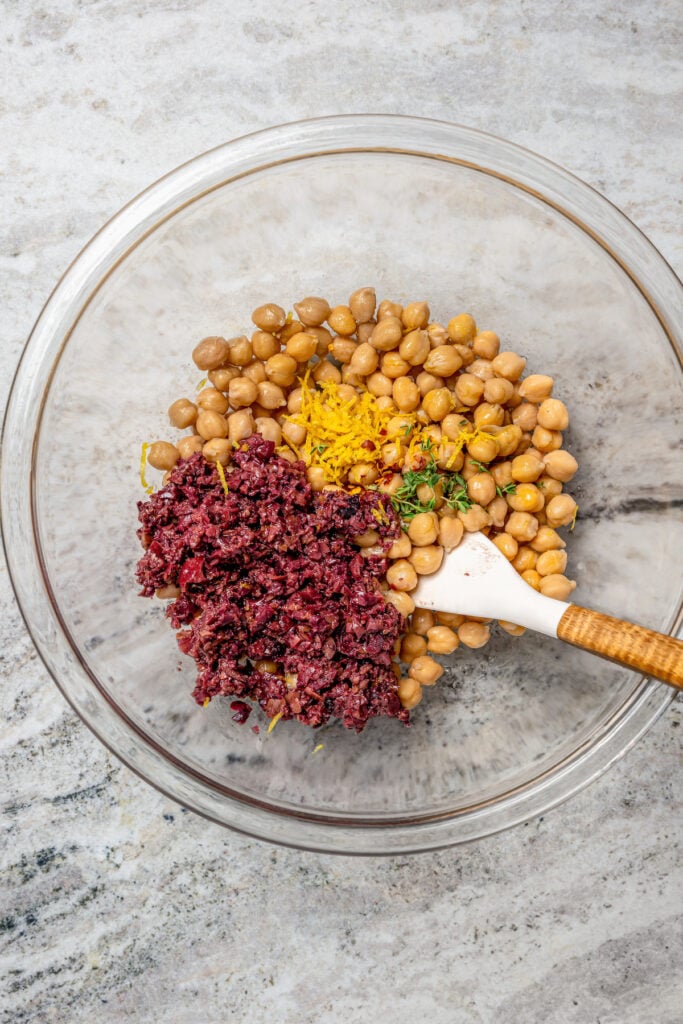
477, 579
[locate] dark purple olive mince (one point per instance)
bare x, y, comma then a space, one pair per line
268, 572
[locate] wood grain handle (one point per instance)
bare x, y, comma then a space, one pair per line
653, 654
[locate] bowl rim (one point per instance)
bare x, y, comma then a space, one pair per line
48, 339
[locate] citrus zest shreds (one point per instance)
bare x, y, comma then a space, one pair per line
143, 465
201, 384
317, 747
340, 432
274, 720
221, 477
573, 523
206, 702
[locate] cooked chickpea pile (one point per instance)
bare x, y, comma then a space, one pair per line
490, 458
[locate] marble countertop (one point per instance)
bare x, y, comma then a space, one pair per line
116, 904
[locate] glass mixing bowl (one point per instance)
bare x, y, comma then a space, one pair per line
419, 209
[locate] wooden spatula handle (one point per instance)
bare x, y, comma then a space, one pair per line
653, 654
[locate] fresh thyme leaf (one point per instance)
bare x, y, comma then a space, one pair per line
407, 429
480, 466
507, 489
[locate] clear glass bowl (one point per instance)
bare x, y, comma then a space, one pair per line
420, 209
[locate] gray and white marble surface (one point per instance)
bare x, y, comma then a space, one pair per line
117, 905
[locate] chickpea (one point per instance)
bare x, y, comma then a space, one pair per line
547, 539
511, 627
507, 544
488, 414
481, 368
557, 586
550, 563
288, 455
415, 315
553, 415
526, 468
393, 366
412, 646
187, 446
221, 377
210, 353
442, 640
549, 486
449, 619
498, 510
281, 369
423, 529
443, 360
526, 498
546, 440
509, 439
342, 349
241, 425
312, 311
453, 424
293, 432
426, 493
525, 416
409, 693
387, 334
392, 454
364, 360
469, 389
498, 391
269, 429
462, 329
401, 547
560, 510
294, 401
474, 634
425, 670
509, 365
241, 392
450, 457
386, 404
168, 593
415, 347
560, 465
531, 577
502, 473
391, 484
421, 621
536, 387
218, 449
255, 371
525, 559
438, 403
427, 382
465, 353
341, 320
316, 478
481, 488
378, 385
367, 539
401, 575
182, 413
426, 560
240, 352
362, 305
162, 455
522, 526
406, 394
364, 331
363, 474
486, 345
211, 424
451, 532
269, 317
264, 345
438, 335
475, 518
270, 396
387, 308
483, 449
402, 602
302, 347
290, 329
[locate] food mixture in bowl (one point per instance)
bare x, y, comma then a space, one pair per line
334, 457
